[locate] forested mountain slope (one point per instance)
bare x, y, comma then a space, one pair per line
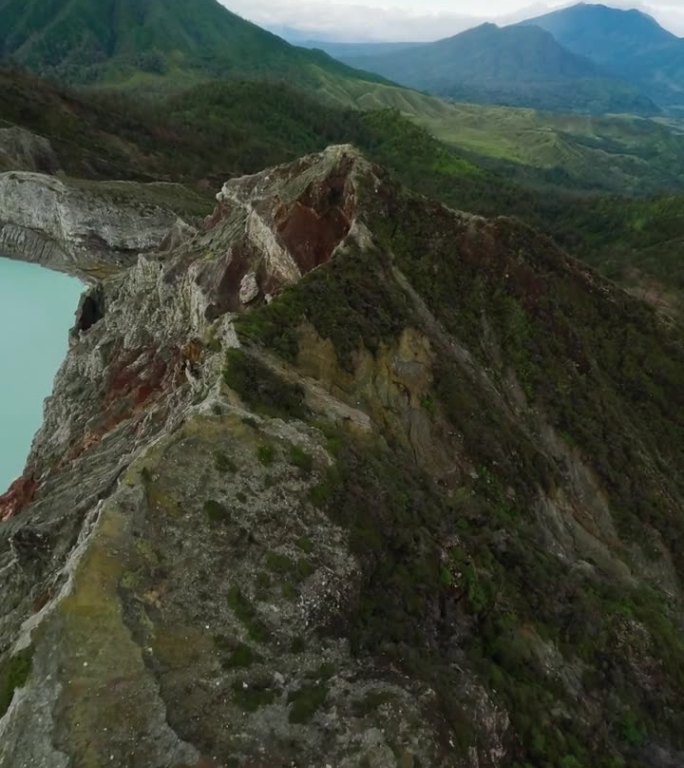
515, 66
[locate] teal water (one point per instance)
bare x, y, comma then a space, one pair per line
37, 309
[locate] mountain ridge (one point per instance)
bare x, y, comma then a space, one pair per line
629, 43
354, 483
335, 472
602, 33
516, 66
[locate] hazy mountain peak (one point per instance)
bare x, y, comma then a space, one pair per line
603, 33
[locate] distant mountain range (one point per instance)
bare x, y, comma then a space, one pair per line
587, 58
516, 66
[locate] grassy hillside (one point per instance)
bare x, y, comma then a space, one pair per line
624, 154
638, 242
515, 66
203, 135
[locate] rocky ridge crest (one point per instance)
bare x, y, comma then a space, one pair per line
299, 498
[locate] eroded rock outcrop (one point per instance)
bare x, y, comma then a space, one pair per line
301, 497
87, 228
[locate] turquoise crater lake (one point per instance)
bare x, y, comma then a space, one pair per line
37, 309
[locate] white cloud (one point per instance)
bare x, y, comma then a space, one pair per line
410, 20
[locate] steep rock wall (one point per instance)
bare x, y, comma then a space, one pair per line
88, 229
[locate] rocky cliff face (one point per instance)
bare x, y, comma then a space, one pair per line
90, 229
345, 478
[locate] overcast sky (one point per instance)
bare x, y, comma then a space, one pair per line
357, 20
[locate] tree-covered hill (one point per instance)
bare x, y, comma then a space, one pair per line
155, 43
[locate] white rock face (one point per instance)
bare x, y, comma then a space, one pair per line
77, 227
249, 288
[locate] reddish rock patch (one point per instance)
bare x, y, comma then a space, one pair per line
134, 376
311, 237
309, 229
20, 494
317, 223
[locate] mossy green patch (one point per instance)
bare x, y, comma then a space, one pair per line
279, 563
305, 544
242, 657
284, 565
266, 454
253, 694
14, 672
301, 459
265, 393
306, 701
224, 463
245, 611
216, 512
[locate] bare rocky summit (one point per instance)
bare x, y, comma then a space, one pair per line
341, 477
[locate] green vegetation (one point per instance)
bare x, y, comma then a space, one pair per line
266, 455
306, 701
301, 459
285, 566
224, 463
305, 544
216, 512
245, 611
14, 672
253, 694
262, 390
162, 44
494, 160
606, 373
243, 656
625, 154
298, 645
352, 288
279, 563
572, 356
457, 571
